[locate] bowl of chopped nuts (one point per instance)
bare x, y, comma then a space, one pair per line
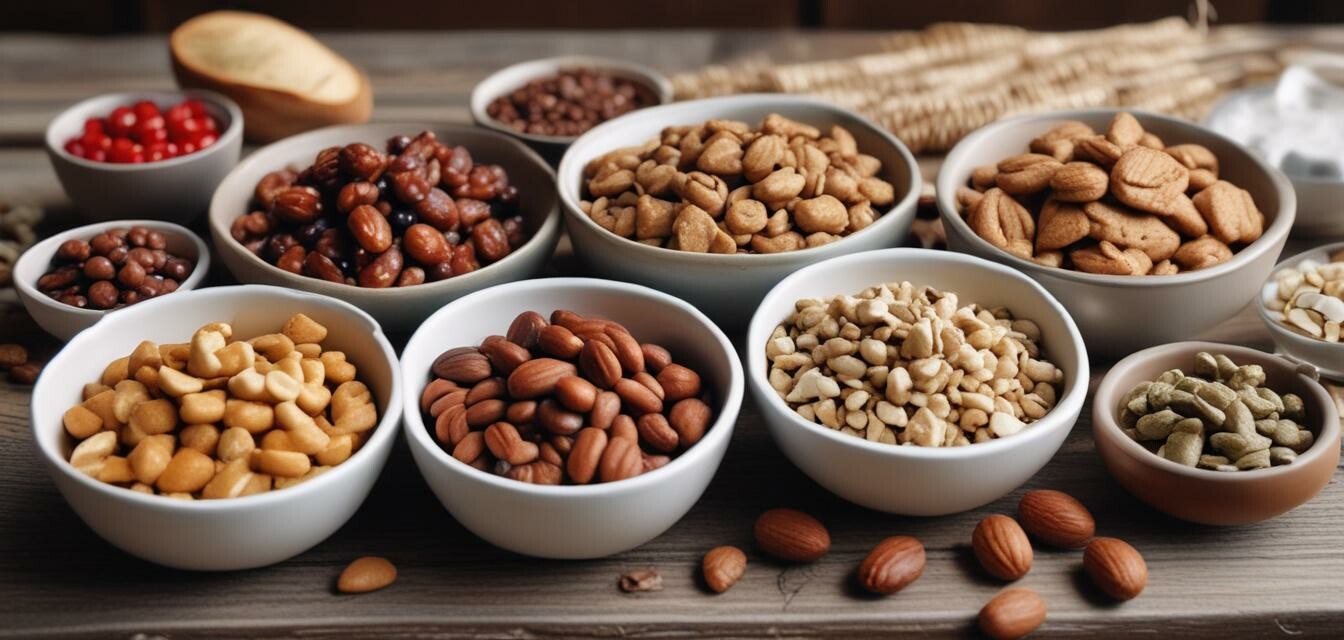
1302, 303
1214, 433
220, 429
1147, 228
716, 200
915, 381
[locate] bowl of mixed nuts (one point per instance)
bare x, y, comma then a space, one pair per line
1148, 228
1302, 303
1215, 433
220, 429
397, 219
715, 200
569, 417
915, 381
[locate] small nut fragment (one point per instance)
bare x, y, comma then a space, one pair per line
641, 580
722, 567
365, 574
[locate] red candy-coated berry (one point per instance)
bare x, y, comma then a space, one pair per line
197, 107
93, 125
186, 147
74, 148
145, 109
121, 122
205, 140
96, 155
178, 112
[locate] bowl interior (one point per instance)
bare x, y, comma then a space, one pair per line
1280, 375
527, 171
972, 279
253, 310
650, 316
70, 123
1268, 187
634, 129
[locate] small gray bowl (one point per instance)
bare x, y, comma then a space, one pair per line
173, 190
1122, 314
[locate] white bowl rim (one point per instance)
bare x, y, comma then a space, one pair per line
569, 193
479, 101
947, 206
722, 428
46, 250
386, 427
1136, 450
219, 100
1053, 420
549, 224
1277, 328
1225, 102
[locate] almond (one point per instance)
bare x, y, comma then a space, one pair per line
502, 439
723, 567
791, 535
1002, 547
1056, 518
369, 573
1012, 614
537, 377
558, 341
678, 382
1116, 568
600, 364
525, 329
892, 565
465, 365
504, 354
638, 397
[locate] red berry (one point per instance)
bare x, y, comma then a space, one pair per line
205, 140
74, 148
209, 124
121, 122
171, 149
145, 109
96, 155
96, 141
178, 112
186, 147
146, 133
93, 125
180, 130
197, 107
137, 158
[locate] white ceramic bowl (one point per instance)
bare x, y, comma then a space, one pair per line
727, 287
588, 521
1319, 208
236, 533
396, 308
1121, 314
911, 480
64, 321
514, 77
177, 189
1328, 357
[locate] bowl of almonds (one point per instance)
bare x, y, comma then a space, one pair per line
1147, 228
715, 200
569, 417
1302, 303
915, 381
163, 433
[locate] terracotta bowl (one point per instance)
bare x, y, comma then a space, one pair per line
1201, 495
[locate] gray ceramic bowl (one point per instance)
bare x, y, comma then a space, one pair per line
1120, 314
174, 190
1328, 357
1201, 495
395, 308
727, 288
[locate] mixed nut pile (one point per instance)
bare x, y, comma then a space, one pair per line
1309, 298
421, 211
1220, 417
574, 400
725, 187
569, 102
909, 365
222, 418
114, 268
1116, 203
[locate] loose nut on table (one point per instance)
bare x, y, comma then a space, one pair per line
1056, 518
791, 535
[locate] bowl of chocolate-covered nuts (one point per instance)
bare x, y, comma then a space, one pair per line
397, 219
1148, 228
220, 429
550, 102
72, 279
915, 381
1214, 433
569, 417
716, 200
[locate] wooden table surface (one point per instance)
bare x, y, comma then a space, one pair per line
1276, 579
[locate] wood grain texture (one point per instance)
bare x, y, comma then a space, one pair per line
57, 579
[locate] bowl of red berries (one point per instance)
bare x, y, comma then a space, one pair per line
145, 154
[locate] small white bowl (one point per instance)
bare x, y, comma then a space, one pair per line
396, 308
727, 287
64, 321
912, 480
514, 77
1122, 314
177, 189
1328, 357
235, 533
588, 521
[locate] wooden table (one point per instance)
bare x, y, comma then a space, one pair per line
1276, 579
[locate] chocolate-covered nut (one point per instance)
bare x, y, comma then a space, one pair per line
131, 275
370, 229
491, 242
297, 205
425, 244
99, 268
362, 162
74, 251
438, 210
103, 294
105, 242
355, 194
382, 271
